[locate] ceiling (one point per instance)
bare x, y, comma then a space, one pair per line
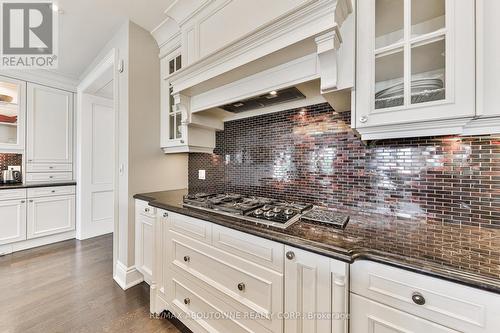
87, 25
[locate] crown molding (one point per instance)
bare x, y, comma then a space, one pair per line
43, 77
309, 20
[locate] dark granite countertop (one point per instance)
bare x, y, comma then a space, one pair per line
465, 254
35, 184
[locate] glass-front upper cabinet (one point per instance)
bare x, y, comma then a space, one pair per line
415, 61
12, 114
173, 117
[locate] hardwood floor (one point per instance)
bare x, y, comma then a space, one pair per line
68, 287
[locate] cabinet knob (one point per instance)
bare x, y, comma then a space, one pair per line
165, 214
418, 298
187, 301
241, 286
31, 200
363, 119
51, 177
53, 191
187, 259
290, 255
146, 210
23, 201
182, 141
51, 167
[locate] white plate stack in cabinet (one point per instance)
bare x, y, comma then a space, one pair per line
49, 149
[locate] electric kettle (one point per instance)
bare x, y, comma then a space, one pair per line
11, 176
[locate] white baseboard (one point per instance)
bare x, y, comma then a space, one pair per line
127, 277
81, 236
31, 243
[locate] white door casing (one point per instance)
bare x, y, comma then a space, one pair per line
97, 166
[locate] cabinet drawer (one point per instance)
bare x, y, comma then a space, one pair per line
50, 215
39, 192
38, 167
143, 208
373, 317
49, 177
258, 250
201, 313
448, 304
257, 288
13, 194
191, 227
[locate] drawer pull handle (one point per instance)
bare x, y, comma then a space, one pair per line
241, 286
165, 214
290, 255
31, 200
187, 301
51, 177
23, 201
187, 259
53, 191
418, 298
146, 210
51, 167
363, 119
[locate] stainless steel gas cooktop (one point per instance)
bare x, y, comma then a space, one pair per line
266, 211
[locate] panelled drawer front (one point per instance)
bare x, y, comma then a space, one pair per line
258, 250
49, 177
209, 312
143, 208
188, 226
371, 317
38, 167
449, 304
39, 192
255, 287
13, 194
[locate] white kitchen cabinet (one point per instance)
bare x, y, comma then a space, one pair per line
12, 114
49, 126
488, 69
415, 67
144, 223
177, 136
372, 317
314, 286
50, 215
12, 221
428, 303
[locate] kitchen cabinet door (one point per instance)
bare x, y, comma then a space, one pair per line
50, 215
50, 125
144, 223
307, 292
12, 114
12, 221
371, 317
415, 67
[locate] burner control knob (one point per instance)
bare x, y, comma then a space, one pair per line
290, 255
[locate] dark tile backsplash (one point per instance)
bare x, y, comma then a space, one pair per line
313, 155
10, 159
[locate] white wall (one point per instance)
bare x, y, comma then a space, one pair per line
143, 167
149, 168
